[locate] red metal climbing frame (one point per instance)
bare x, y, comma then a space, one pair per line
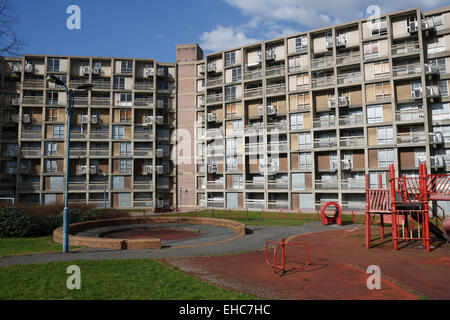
282, 267
406, 201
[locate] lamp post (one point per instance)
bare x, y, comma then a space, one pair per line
104, 189
70, 98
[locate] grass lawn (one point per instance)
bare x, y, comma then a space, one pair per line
256, 218
112, 279
12, 246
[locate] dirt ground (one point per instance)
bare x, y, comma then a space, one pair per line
337, 270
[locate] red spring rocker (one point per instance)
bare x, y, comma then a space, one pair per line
337, 218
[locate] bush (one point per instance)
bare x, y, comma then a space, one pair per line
27, 221
16, 222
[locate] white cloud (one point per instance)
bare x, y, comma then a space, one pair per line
224, 37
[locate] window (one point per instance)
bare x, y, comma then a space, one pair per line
230, 93
298, 181
125, 115
439, 63
304, 140
436, 45
51, 114
118, 132
304, 161
301, 43
374, 179
385, 135
163, 85
125, 99
409, 20
295, 64
378, 27
51, 148
371, 50
236, 74
52, 97
296, 121
231, 164
443, 88
58, 132
382, 91
381, 69
238, 181
420, 156
231, 146
126, 67
438, 22
302, 81
119, 83
53, 65
11, 167
125, 149
50, 166
231, 110
230, 58
124, 165
410, 112
440, 111
236, 126
445, 130
385, 157
375, 114
302, 101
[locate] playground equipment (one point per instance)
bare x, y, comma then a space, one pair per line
276, 267
337, 218
405, 203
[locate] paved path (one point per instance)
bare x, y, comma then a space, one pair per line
255, 239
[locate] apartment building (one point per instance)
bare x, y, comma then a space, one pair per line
292, 122
286, 123
120, 150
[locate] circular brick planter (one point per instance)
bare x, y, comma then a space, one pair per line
135, 244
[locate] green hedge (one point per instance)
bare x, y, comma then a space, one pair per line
17, 222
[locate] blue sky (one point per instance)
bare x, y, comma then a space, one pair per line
152, 29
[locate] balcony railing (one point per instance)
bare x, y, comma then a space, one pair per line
253, 203
98, 186
254, 185
254, 74
213, 98
279, 146
33, 83
353, 141
143, 153
278, 204
215, 185
33, 100
215, 203
408, 47
326, 184
409, 115
31, 152
276, 127
322, 62
355, 184
348, 78
142, 102
75, 83
347, 58
278, 88
254, 129
99, 152
214, 82
407, 69
325, 142
278, 185
253, 92
78, 152
254, 147
351, 120
30, 186
411, 137
323, 82
275, 71
147, 86
324, 122
80, 101
77, 186
100, 101
78, 135
99, 135
147, 185
143, 135
101, 84
31, 134
142, 203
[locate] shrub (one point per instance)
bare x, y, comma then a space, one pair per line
16, 222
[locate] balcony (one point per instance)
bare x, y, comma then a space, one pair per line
30, 186
353, 184
78, 135
143, 153
279, 88
98, 186
32, 100
214, 98
99, 152
254, 148
31, 134
30, 152
103, 83
409, 115
143, 102
77, 186
406, 69
99, 135
216, 203
143, 185
348, 58
352, 141
253, 92
254, 74
33, 83
214, 82
325, 142
215, 185
404, 48
73, 84
144, 86
278, 204
78, 152
258, 128
323, 82
352, 120
328, 122
100, 101
278, 185
279, 146
143, 135
326, 184
322, 62
276, 127
275, 71
254, 185
411, 137
81, 101
349, 78
255, 203
214, 151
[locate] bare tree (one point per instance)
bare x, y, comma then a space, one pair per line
10, 43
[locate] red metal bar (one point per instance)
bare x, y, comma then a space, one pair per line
247, 213
262, 213
281, 214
